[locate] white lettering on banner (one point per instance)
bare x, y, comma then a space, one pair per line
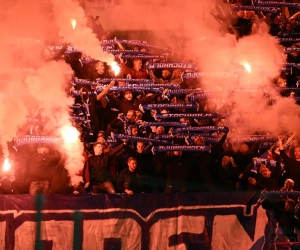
236, 237
128, 230
168, 227
163, 229
2, 235
59, 232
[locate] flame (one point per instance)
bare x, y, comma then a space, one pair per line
115, 68
6, 165
73, 22
247, 67
70, 134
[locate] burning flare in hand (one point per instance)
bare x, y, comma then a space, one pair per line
6, 165
69, 134
247, 67
73, 22
115, 68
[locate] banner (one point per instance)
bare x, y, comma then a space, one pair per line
161, 57
276, 4
144, 107
282, 40
191, 75
29, 139
185, 115
190, 221
253, 138
204, 129
136, 138
291, 49
166, 124
139, 43
256, 8
126, 52
171, 65
183, 136
108, 80
182, 148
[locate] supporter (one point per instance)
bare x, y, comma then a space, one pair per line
90, 21
275, 207
226, 176
97, 169
6, 186
201, 172
97, 28
166, 77
243, 158
294, 77
145, 168
128, 102
40, 167
137, 72
289, 184
243, 25
128, 179
292, 164
275, 25
266, 180
177, 168
120, 124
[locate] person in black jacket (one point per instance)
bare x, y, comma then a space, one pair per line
97, 169
40, 169
128, 179
128, 102
292, 165
226, 176
280, 211
145, 167
201, 174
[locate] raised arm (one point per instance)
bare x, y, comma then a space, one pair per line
153, 77
217, 148
283, 154
105, 91
121, 47
114, 151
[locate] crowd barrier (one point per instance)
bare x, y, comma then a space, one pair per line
216, 221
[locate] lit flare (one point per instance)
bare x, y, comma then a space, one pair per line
69, 134
115, 68
247, 67
6, 165
73, 22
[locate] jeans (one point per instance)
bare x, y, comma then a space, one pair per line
105, 186
39, 187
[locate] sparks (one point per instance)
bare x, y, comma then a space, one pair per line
70, 134
115, 68
247, 67
6, 165
73, 22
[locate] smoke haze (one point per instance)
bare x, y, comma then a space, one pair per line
38, 86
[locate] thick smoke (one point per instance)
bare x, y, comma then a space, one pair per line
33, 86
175, 23
81, 36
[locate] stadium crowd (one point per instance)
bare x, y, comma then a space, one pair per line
146, 130
126, 152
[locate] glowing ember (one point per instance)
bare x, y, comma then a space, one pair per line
6, 165
73, 22
69, 134
247, 67
115, 68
